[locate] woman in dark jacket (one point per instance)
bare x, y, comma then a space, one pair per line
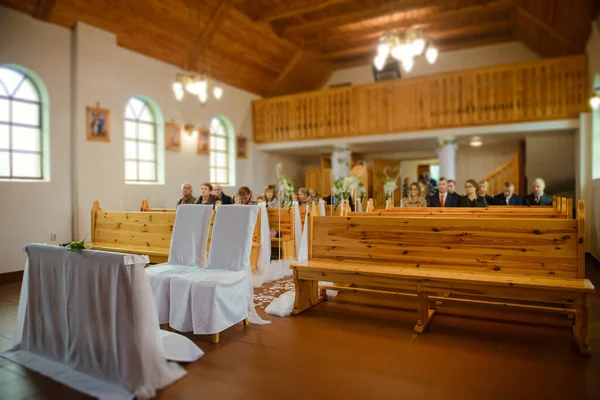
206, 197
472, 199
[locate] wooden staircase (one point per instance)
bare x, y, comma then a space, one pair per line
513, 170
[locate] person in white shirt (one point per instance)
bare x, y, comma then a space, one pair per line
508, 197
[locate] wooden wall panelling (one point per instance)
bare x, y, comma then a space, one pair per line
378, 177
314, 179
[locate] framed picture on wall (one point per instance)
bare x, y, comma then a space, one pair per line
172, 136
98, 124
242, 147
203, 141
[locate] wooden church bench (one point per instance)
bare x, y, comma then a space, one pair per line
532, 264
146, 208
145, 233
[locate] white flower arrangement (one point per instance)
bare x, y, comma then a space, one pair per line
345, 187
389, 187
286, 187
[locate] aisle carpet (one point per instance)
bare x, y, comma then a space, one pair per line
264, 295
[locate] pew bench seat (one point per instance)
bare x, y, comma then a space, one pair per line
570, 296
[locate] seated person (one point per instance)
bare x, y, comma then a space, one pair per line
237, 199
414, 198
206, 197
538, 197
186, 195
483, 192
405, 187
303, 197
429, 180
424, 189
314, 195
472, 199
270, 197
508, 197
442, 198
220, 196
246, 196
452, 190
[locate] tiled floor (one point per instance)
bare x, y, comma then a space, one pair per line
364, 348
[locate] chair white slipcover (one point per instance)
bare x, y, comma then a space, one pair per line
264, 269
186, 254
322, 211
86, 320
211, 300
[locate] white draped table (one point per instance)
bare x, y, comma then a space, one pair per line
88, 320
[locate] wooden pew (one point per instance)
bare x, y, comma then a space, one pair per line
531, 264
147, 232
146, 208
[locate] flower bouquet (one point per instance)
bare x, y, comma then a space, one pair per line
286, 187
343, 188
77, 246
389, 187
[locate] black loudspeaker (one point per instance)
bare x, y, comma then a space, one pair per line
391, 70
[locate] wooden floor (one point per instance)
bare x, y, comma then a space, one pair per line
364, 348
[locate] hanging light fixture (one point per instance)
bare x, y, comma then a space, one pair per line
196, 85
404, 47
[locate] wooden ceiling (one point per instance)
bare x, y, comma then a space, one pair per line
274, 47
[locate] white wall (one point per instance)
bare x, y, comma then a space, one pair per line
551, 156
109, 74
503, 53
590, 133
30, 212
81, 67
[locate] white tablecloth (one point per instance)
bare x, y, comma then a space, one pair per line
87, 320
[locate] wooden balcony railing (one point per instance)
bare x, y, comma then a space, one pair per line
539, 90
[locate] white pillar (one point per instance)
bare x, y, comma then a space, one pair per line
340, 162
447, 155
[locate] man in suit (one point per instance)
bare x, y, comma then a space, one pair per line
538, 197
186, 195
508, 197
483, 188
220, 196
442, 198
452, 190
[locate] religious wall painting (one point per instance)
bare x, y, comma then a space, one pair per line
203, 141
242, 147
172, 136
98, 124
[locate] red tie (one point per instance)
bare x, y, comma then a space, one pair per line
442, 200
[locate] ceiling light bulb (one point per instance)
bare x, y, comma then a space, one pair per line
178, 90
203, 96
203, 85
192, 87
431, 54
595, 101
476, 142
407, 64
379, 62
418, 46
399, 52
383, 50
217, 92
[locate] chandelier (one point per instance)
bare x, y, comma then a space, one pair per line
404, 46
196, 85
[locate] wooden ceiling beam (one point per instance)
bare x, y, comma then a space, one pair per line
285, 72
499, 37
398, 6
287, 10
376, 31
475, 30
547, 28
207, 33
44, 9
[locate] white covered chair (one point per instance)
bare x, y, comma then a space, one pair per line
187, 253
211, 300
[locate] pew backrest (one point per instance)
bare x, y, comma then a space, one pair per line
534, 247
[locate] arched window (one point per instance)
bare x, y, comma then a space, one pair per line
21, 136
141, 164
221, 152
